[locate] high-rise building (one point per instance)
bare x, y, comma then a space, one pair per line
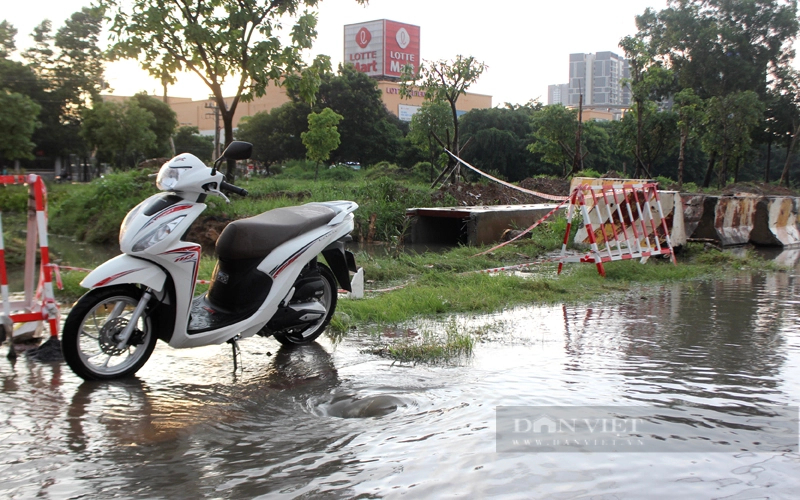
558, 94
598, 77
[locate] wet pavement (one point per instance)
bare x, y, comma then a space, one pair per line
329, 420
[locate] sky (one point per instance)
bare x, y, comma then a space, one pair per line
525, 43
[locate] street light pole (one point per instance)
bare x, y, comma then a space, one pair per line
212, 105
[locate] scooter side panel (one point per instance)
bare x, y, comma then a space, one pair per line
124, 269
283, 265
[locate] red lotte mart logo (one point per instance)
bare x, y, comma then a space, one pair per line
363, 37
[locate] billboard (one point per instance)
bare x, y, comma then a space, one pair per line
382, 48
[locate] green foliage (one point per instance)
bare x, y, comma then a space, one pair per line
17, 122
443, 81
275, 135
120, 133
94, 212
594, 174
220, 40
554, 127
165, 121
322, 136
188, 140
496, 140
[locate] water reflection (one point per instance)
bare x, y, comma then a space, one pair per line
709, 356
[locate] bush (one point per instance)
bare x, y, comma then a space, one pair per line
94, 212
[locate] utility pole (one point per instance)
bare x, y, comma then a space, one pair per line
212, 105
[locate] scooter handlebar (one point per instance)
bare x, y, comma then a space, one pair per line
224, 186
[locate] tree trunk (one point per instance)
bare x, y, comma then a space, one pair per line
710, 170
769, 157
736, 170
785, 174
638, 170
682, 157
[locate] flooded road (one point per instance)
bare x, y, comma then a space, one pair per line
705, 352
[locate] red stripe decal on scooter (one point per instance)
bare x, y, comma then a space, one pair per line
165, 212
188, 254
279, 269
108, 280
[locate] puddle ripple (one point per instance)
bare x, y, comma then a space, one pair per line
328, 420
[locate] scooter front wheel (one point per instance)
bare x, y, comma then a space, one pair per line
90, 341
328, 300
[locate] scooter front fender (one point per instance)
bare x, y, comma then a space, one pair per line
124, 269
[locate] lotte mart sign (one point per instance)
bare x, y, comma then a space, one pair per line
382, 48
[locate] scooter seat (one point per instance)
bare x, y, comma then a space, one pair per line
257, 236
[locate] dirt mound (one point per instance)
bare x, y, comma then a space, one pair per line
206, 231
496, 194
758, 188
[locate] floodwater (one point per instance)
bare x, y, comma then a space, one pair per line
188, 427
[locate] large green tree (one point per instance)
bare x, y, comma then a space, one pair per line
219, 40
165, 121
728, 126
554, 131
369, 133
120, 134
188, 140
17, 122
275, 134
496, 140
718, 47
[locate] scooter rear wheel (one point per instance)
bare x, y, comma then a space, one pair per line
328, 299
90, 337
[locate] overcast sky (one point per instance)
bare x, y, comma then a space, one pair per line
525, 43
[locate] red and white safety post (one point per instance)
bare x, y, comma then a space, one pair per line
39, 302
620, 217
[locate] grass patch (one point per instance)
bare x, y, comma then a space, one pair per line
447, 291
430, 347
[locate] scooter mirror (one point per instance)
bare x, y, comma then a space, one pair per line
238, 150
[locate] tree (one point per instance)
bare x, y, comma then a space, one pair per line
432, 119
322, 136
554, 127
368, 132
689, 107
444, 81
7, 35
119, 133
658, 139
649, 81
164, 124
729, 122
218, 40
68, 71
17, 123
718, 47
275, 134
188, 140
496, 140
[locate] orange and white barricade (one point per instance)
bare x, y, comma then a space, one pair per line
39, 302
619, 222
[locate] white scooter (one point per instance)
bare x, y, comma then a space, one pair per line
267, 280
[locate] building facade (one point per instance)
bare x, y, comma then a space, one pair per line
558, 94
599, 79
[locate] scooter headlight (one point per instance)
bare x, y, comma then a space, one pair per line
157, 234
168, 178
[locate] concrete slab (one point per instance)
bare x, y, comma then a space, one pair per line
475, 225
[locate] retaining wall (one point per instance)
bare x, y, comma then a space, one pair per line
736, 220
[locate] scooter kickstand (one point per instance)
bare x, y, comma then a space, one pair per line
236, 352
